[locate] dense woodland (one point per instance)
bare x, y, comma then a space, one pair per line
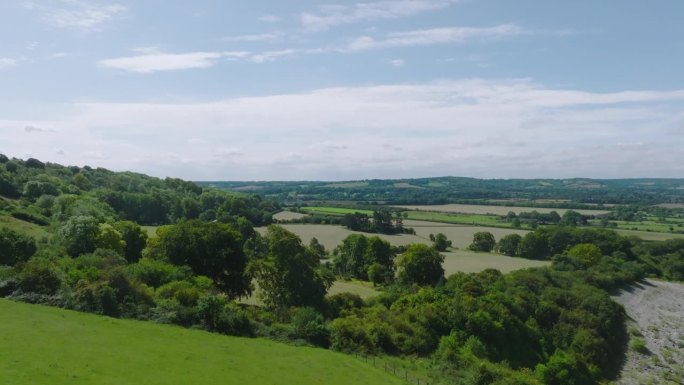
554, 325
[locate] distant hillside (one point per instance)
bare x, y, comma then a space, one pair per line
43, 345
561, 193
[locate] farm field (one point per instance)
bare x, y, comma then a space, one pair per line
288, 216
151, 230
43, 345
457, 218
334, 210
460, 236
649, 235
495, 210
470, 262
332, 235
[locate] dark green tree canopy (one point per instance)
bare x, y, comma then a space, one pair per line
421, 264
483, 241
289, 274
209, 248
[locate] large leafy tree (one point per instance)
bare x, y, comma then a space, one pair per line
483, 241
209, 248
421, 264
79, 234
135, 238
288, 273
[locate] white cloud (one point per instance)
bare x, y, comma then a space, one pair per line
397, 63
271, 36
6, 62
423, 37
471, 127
33, 129
333, 15
158, 61
77, 14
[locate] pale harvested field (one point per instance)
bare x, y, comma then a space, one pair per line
649, 235
494, 210
288, 216
331, 235
471, 262
656, 309
460, 235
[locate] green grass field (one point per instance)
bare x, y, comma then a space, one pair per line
456, 218
23, 227
50, 346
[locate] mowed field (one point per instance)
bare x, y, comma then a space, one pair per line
494, 210
50, 346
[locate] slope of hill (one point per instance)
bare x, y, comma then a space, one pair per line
43, 345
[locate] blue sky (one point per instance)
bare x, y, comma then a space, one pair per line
265, 90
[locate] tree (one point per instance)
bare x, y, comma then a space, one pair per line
109, 238
209, 248
349, 258
440, 242
508, 244
79, 235
135, 238
289, 274
317, 248
573, 218
483, 241
15, 247
587, 253
534, 246
421, 264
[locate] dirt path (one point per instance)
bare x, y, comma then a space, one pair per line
656, 310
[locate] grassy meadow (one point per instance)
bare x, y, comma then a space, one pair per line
23, 227
49, 346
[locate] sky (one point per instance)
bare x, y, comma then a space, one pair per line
342, 90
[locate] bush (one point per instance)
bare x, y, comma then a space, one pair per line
39, 276
309, 325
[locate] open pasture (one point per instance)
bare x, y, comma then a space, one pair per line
471, 262
43, 345
493, 210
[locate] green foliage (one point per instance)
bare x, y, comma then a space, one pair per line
209, 248
309, 325
508, 244
15, 247
135, 239
421, 265
156, 273
39, 276
483, 241
109, 238
440, 242
288, 273
79, 235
